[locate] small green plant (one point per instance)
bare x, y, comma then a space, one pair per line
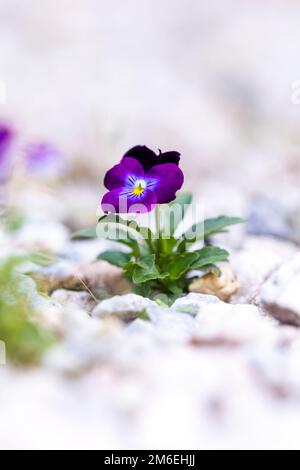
157, 263
25, 340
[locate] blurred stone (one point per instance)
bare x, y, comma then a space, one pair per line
127, 307
86, 342
42, 236
101, 278
280, 293
223, 286
44, 310
192, 303
254, 263
61, 275
85, 251
81, 299
269, 218
240, 323
47, 313
172, 326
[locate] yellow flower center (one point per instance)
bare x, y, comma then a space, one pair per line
139, 187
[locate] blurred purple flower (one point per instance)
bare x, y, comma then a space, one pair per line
148, 159
45, 161
131, 189
6, 139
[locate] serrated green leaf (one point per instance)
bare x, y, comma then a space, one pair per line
146, 270
117, 258
147, 262
181, 264
142, 289
140, 275
209, 255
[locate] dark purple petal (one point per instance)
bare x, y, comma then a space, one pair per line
144, 155
123, 174
165, 180
121, 201
169, 157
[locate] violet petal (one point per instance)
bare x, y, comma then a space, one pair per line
125, 172
165, 180
122, 201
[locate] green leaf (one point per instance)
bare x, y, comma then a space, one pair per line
25, 338
217, 225
117, 258
162, 300
85, 233
42, 259
119, 234
181, 264
190, 309
167, 245
13, 220
209, 227
142, 289
146, 270
209, 255
144, 316
212, 268
176, 289
129, 226
126, 232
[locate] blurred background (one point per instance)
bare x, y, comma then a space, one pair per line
81, 82
210, 79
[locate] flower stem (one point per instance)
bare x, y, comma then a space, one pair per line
157, 221
158, 229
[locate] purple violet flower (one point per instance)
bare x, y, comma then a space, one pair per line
44, 160
132, 189
148, 159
